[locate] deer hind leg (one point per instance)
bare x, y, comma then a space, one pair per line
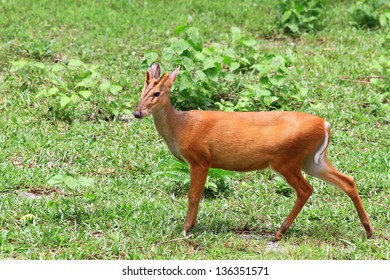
303, 189
324, 170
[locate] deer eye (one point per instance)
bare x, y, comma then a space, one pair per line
156, 94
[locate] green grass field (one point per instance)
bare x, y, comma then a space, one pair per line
95, 179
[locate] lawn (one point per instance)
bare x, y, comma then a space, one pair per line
81, 178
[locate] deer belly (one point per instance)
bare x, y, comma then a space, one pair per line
239, 161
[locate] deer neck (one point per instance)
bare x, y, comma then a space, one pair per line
168, 121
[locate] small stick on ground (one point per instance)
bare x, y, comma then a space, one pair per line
173, 240
361, 80
166, 241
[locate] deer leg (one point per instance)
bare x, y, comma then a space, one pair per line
303, 190
198, 180
347, 184
324, 170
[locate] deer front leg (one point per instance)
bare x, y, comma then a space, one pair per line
198, 180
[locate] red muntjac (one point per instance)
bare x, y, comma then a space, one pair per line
286, 142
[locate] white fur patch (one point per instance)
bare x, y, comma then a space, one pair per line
323, 146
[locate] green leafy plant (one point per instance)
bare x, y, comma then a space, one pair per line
177, 171
274, 89
379, 97
201, 74
211, 77
37, 50
71, 182
299, 16
371, 14
70, 89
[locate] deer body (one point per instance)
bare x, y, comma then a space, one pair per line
262, 137
287, 142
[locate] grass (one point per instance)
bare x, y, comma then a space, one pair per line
129, 212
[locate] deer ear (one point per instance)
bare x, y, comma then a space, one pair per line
155, 71
147, 77
173, 75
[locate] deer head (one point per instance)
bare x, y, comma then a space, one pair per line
155, 93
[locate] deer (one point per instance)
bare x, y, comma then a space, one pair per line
286, 142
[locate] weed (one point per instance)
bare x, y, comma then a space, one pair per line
71, 182
371, 14
299, 16
70, 90
211, 77
218, 180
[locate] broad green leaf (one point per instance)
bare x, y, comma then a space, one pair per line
168, 54
179, 46
84, 181
74, 98
208, 63
105, 87
268, 100
374, 81
151, 57
114, 89
17, 65
56, 180
85, 93
83, 83
57, 67
262, 92
188, 63
53, 91
286, 16
249, 43
293, 27
194, 38
89, 198
212, 73
276, 80
199, 56
64, 100
52, 207
236, 34
180, 29
75, 63
227, 60
234, 66
113, 109
278, 61
303, 91
228, 77
264, 82
39, 65
200, 76
71, 183
185, 81
258, 67
42, 93
384, 19
245, 60
211, 186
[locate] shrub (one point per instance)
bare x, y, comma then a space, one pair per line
370, 14
70, 89
379, 96
298, 16
232, 75
218, 180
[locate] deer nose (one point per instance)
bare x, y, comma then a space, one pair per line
138, 114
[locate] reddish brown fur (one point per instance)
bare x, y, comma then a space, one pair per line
287, 142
